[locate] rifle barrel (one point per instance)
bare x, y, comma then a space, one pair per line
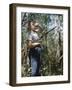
47, 32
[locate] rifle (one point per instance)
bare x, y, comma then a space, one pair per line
45, 33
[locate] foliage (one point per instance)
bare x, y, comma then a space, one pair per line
52, 56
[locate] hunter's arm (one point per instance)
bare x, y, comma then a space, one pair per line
31, 44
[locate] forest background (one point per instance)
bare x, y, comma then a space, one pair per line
52, 55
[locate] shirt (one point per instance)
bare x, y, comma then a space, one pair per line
33, 36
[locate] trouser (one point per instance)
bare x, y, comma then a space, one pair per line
34, 56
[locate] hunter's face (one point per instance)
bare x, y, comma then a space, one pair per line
35, 26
